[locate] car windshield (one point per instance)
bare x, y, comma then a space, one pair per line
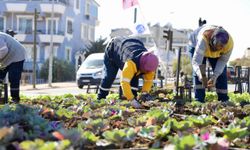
92, 64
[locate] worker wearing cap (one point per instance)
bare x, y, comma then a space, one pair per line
130, 56
12, 56
11, 32
212, 43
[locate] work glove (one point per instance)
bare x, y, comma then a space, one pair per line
145, 97
211, 82
136, 104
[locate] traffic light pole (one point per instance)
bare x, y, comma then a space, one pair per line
248, 80
168, 35
238, 84
178, 72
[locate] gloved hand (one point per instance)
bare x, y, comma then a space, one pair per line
211, 82
136, 104
145, 97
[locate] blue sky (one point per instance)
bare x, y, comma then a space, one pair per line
233, 15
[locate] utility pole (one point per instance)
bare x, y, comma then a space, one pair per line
51, 46
34, 47
135, 15
178, 72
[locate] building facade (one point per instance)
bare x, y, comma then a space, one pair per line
247, 53
66, 25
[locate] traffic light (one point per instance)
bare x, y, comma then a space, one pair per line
202, 22
168, 34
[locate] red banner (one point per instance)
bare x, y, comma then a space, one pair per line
129, 3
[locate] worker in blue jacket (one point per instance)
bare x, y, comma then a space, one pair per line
215, 44
132, 58
12, 56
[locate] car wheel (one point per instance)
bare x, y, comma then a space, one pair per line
80, 86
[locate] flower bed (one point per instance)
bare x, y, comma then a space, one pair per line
82, 122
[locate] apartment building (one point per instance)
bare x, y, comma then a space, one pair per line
247, 53
68, 24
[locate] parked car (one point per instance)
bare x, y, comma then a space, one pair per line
91, 71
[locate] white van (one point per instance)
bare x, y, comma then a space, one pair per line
91, 71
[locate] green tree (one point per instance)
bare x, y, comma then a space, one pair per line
244, 61
96, 47
185, 66
62, 70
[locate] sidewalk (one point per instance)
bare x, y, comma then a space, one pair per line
61, 88
46, 86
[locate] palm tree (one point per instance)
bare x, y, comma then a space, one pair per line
96, 47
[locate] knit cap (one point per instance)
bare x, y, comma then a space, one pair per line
219, 37
148, 62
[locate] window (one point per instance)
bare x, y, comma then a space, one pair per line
47, 52
92, 34
2, 28
30, 53
69, 27
94, 11
55, 23
87, 7
85, 31
77, 4
68, 54
25, 25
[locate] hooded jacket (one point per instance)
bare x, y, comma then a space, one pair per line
16, 51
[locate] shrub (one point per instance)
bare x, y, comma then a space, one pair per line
62, 70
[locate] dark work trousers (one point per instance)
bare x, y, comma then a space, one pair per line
221, 83
110, 72
14, 72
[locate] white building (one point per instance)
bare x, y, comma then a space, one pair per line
247, 53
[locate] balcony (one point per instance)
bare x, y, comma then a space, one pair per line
29, 5
42, 37
45, 37
59, 6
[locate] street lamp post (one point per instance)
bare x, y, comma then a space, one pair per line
51, 46
35, 51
